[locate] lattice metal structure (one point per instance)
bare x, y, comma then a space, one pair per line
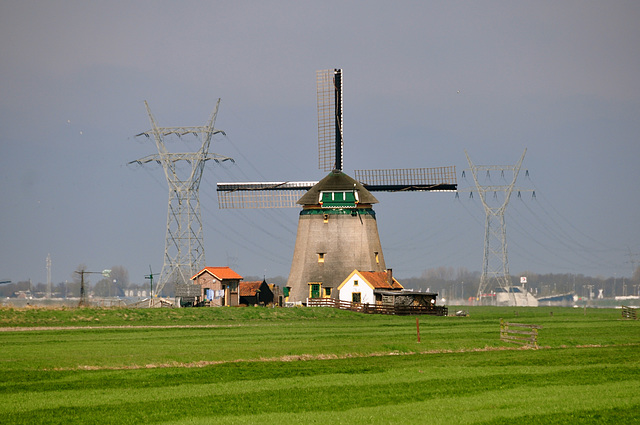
184, 243
48, 275
495, 267
330, 129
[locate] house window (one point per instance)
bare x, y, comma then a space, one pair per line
327, 292
355, 283
356, 297
321, 257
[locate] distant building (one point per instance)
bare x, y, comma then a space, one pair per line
368, 287
255, 293
218, 286
514, 296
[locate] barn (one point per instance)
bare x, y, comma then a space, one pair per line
255, 293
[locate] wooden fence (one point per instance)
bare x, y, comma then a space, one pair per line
377, 308
526, 335
629, 313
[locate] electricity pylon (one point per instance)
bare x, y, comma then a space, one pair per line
184, 246
495, 262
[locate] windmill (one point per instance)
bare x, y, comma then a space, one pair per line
150, 277
337, 227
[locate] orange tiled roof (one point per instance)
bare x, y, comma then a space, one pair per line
249, 289
219, 272
380, 280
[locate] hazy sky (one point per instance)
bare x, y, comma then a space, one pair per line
423, 82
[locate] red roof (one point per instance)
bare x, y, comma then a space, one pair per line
380, 280
249, 289
219, 273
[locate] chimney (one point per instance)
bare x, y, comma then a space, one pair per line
390, 277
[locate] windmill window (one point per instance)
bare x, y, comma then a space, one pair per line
327, 292
321, 257
325, 217
377, 258
338, 199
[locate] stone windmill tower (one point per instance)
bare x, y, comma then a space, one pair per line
337, 227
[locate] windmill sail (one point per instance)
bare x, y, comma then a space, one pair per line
261, 194
436, 179
330, 130
330, 158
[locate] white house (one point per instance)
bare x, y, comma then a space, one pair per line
361, 287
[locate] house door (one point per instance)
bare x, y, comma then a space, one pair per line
315, 290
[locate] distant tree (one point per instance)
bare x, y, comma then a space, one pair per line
119, 279
636, 275
102, 288
40, 289
59, 290
8, 289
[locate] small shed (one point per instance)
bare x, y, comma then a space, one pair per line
219, 286
365, 286
255, 293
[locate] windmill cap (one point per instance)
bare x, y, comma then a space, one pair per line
337, 181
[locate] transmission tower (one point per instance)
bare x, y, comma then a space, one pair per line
495, 263
184, 246
48, 275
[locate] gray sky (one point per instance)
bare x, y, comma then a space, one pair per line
423, 82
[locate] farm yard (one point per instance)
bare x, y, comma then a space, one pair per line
315, 365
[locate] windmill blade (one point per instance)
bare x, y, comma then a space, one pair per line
330, 143
261, 194
436, 179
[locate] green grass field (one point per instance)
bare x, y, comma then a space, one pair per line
320, 365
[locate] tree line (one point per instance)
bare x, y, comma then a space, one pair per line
461, 283
114, 285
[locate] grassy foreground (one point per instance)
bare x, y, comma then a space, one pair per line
255, 365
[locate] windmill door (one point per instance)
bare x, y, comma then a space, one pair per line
315, 290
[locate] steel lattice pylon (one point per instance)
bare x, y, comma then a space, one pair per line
184, 246
495, 261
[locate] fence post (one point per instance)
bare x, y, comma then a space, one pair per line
418, 328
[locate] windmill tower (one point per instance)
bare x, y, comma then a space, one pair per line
337, 226
184, 246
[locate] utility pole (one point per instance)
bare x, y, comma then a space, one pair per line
184, 242
83, 297
495, 261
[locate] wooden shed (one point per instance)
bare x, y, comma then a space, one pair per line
255, 293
